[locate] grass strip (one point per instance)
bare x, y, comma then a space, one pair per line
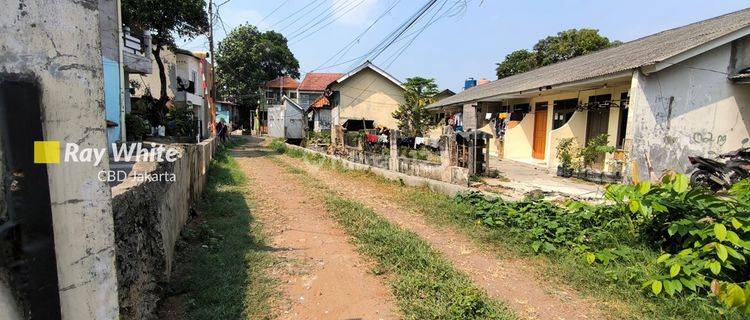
617, 284
425, 285
225, 258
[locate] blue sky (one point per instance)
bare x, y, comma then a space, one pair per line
453, 48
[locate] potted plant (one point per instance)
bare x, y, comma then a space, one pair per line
592, 152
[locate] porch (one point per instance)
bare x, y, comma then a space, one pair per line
529, 127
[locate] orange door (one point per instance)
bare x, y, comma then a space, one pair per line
540, 132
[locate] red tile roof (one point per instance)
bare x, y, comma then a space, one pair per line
318, 81
320, 102
288, 83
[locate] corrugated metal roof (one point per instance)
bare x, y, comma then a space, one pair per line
627, 56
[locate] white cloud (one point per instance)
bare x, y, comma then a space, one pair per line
347, 13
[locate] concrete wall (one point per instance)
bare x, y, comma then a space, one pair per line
519, 138
687, 109
367, 95
55, 43
574, 128
148, 219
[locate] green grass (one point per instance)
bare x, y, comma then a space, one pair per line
614, 284
425, 285
617, 285
224, 259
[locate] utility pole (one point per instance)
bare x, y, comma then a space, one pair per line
212, 92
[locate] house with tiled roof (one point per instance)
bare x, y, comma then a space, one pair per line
657, 99
277, 88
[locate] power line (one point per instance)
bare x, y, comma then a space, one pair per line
345, 49
327, 24
274, 10
294, 13
326, 11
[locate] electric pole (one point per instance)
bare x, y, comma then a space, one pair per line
212, 92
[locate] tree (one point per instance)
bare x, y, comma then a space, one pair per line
164, 19
247, 58
563, 46
518, 61
412, 118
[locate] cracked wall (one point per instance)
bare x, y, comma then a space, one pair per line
691, 108
56, 43
149, 217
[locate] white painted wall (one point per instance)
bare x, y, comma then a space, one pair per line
708, 114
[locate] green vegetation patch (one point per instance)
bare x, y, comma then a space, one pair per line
425, 285
225, 258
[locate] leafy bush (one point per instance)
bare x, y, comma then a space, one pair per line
180, 122
594, 148
136, 128
702, 240
566, 150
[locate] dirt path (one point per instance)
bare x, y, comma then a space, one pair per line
510, 281
322, 276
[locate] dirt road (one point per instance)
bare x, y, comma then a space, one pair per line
321, 274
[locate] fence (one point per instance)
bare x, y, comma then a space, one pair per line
409, 155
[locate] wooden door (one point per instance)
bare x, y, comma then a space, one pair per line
540, 131
597, 124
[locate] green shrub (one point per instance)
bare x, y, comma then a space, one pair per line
180, 122
136, 128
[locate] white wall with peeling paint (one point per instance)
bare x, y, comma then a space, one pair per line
690, 108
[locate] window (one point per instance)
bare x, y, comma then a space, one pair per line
563, 111
292, 94
270, 95
602, 99
191, 85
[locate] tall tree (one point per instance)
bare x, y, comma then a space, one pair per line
412, 118
164, 19
247, 58
563, 46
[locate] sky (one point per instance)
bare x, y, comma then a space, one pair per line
461, 42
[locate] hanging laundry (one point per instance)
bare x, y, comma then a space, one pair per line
371, 138
418, 141
382, 138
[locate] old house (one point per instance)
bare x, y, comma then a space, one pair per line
191, 75
286, 120
118, 64
365, 97
314, 98
273, 92
658, 99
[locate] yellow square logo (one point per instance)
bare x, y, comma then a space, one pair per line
46, 151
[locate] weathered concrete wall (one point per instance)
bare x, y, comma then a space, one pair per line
148, 219
55, 43
687, 109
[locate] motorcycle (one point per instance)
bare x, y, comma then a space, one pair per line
717, 175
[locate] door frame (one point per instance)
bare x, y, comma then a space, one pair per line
540, 108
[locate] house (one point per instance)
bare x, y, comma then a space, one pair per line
117, 65
658, 99
365, 97
314, 98
191, 79
273, 92
286, 120
187, 85
227, 111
